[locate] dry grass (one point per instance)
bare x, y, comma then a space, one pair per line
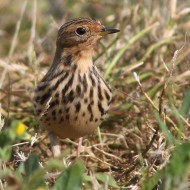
147, 65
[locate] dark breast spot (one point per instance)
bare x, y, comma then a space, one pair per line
77, 53
45, 97
84, 82
42, 86
74, 68
86, 100
89, 108
107, 95
79, 78
78, 90
71, 96
100, 108
100, 93
51, 75
61, 120
57, 95
91, 92
78, 106
67, 109
59, 81
92, 80
52, 104
53, 112
69, 84
91, 118
95, 72
65, 100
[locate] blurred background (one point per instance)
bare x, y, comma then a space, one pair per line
153, 42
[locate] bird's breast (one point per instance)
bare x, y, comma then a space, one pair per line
75, 104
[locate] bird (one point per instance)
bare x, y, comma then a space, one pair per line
73, 98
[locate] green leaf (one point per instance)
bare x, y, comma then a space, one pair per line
33, 169
31, 164
151, 182
5, 153
71, 178
5, 138
185, 107
14, 123
170, 138
106, 179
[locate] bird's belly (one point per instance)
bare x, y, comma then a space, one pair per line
75, 121
72, 129
77, 109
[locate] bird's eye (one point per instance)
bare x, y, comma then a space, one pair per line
80, 31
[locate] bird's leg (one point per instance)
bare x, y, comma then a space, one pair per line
79, 146
55, 145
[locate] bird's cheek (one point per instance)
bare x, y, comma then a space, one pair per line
92, 40
72, 41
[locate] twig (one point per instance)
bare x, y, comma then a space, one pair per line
108, 154
14, 42
32, 33
154, 106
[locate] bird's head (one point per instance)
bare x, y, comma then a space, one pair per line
82, 33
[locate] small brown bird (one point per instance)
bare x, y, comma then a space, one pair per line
72, 99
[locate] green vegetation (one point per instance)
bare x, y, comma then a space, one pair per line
144, 144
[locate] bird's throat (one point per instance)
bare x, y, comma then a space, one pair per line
81, 58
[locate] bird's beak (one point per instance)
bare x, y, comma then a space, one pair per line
106, 31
